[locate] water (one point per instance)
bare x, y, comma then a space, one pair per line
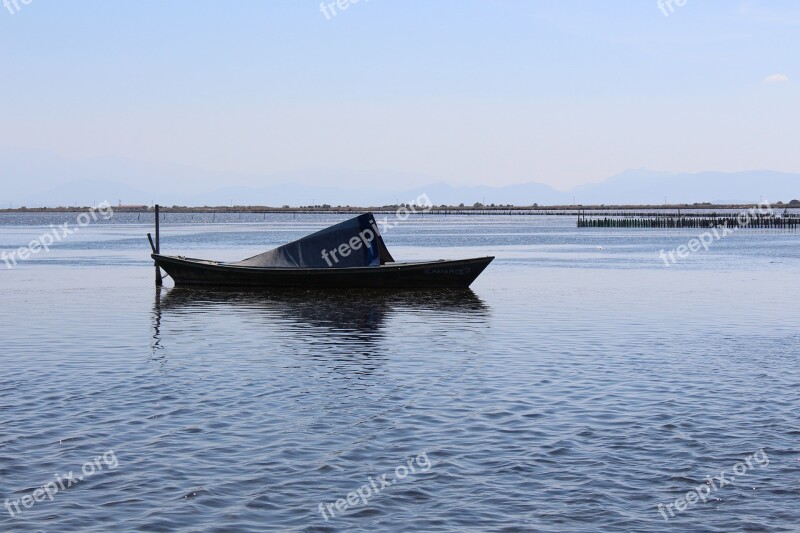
580, 384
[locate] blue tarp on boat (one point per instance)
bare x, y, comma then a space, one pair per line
352, 243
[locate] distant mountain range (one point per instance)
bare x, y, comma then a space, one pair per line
38, 179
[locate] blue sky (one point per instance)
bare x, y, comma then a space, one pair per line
561, 92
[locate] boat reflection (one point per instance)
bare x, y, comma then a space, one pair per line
348, 315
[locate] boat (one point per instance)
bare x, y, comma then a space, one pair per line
351, 254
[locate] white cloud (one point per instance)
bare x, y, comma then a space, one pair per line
776, 78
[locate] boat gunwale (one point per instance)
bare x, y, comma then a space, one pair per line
387, 266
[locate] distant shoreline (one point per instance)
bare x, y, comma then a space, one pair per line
439, 210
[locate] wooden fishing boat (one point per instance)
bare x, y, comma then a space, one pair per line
351, 254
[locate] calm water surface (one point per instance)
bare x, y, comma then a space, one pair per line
577, 386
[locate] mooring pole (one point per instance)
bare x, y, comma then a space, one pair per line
159, 280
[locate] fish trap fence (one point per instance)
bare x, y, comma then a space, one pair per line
666, 221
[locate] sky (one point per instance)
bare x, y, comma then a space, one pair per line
466, 92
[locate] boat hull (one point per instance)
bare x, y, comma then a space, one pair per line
426, 275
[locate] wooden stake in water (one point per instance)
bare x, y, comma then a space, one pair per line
159, 280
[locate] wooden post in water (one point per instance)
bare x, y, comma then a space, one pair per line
159, 280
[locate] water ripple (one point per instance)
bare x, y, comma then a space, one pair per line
564, 394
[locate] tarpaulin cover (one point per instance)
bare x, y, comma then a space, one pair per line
352, 243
